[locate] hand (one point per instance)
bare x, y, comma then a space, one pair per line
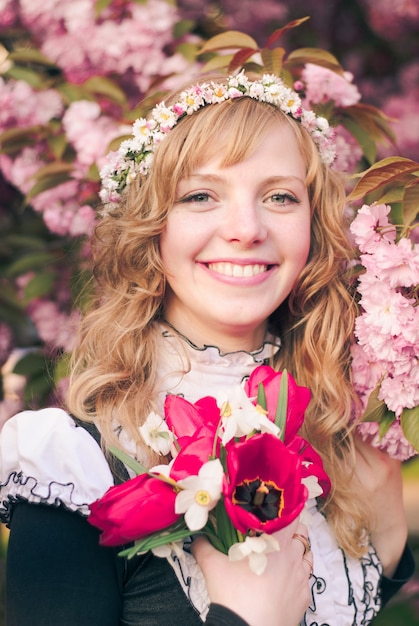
278, 597
381, 488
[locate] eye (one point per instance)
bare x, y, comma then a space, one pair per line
200, 197
283, 198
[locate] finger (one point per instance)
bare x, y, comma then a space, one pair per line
308, 564
304, 541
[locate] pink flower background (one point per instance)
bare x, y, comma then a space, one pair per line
70, 88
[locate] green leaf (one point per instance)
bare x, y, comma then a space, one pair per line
385, 423
40, 285
62, 367
229, 39
301, 56
157, 539
382, 173
31, 55
105, 87
33, 78
100, 6
30, 364
409, 421
128, 461
218, 62
368, 145
226, 532
30, 262
411, 203
272, 60
182, 27
261, 399
188, 49
72, 93
376, 409
282, 405
45, 183
14, 139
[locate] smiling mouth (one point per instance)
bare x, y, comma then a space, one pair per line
238, 271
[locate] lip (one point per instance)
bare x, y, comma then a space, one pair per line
239, 271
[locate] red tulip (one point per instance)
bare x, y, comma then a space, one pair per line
133, 510
191, 421
263, 491
298, 397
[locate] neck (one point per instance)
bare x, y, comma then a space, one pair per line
225, 343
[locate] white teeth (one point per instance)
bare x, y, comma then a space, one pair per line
239, 271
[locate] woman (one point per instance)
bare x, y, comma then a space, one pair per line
222, 245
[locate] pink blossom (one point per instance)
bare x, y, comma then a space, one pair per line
8, 13
324, 85
366, 372
22, 106
83, 221
60, 207
75, 39
54, 327
386, 311
399, 392
393, 442
348, 151
371, 225
395, 264
90, 132
20, 170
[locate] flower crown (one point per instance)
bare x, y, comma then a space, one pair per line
135, 155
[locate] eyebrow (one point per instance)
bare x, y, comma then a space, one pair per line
216, 178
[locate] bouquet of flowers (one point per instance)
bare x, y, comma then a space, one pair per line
385, 357
238, 472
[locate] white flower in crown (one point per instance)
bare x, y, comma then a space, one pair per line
135, 155
309, 120
218, 94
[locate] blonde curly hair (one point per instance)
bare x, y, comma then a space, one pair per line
114, 363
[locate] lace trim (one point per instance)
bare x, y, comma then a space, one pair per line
269, 347
28, 489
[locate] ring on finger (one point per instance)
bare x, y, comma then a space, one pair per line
304, 540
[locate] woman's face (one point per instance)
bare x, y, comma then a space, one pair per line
235, 243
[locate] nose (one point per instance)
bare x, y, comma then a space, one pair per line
244, 223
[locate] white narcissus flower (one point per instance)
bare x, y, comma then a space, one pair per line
200, 494
255, 549
241, 417
165, 551
156, 434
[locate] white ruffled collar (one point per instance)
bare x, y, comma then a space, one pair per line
186, 369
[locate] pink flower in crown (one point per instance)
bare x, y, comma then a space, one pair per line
179, 109
371, 225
